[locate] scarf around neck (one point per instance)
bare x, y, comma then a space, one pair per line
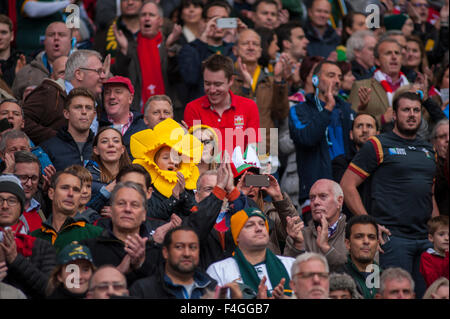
24, 242
150, 63
381, 78
274, 266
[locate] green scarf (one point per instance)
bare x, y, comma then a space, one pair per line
275, 269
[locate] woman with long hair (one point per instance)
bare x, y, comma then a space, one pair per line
109, 155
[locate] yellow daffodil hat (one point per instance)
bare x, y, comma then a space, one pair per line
145, 144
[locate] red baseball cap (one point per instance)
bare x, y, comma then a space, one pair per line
120, 80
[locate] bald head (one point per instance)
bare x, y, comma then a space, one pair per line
57, 40
59, 67
106, 282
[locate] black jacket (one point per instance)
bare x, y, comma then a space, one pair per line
107, 249
63, 150
31, 274
155, 287
161, 207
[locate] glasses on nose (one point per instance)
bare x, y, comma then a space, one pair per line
99, 71
25, 178
104, 286
310, 275
11, 201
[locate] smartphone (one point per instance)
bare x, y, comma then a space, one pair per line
4, 125
227, 23
257, 180
386, 238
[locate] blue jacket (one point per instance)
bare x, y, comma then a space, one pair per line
308, 127
63, 150
190, 60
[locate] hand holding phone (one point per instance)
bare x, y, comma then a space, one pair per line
227, 23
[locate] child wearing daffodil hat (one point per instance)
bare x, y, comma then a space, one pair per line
170, 155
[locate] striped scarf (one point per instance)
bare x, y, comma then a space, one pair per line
381, 78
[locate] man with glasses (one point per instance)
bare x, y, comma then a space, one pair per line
106, 282
29, 260
310, 276
27, 169
44, 107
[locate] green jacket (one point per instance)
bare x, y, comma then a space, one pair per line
360, 279
74, 228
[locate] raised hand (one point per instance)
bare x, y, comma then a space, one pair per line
179, 187
322, 235
135, 247
121, 39
274, 189
294, 226
329, 98
245, 74
9, 245
364, 97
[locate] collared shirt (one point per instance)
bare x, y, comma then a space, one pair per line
238, 125
123, 127
34, 204
332, 228
394, 85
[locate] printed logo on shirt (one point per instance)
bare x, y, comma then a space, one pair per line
427, 153
239, 121
397, 151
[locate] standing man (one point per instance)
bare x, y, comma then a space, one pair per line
235, 118
320, 128
178, 277
72, 145
149, 60
11, 60
292, 40
211, 41
118, 97
401, 201
157, 109
323, 39
379, 90
266, 14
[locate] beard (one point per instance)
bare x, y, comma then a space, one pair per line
407, 131
178, 267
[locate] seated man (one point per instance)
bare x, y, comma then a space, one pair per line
107, 282
310, 276
126, 242
178, 277
325, 233
396, 283
29, 260
253, 264
157, 109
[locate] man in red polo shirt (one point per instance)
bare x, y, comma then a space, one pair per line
235, 118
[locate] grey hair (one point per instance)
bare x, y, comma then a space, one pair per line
78, 59
131, 185
209, 172
161, 97
305, 257
444, 121
344, 282
337, 190
394, 273
357, 42
13, 134
438, 283
160, 9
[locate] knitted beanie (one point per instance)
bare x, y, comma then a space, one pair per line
11, 184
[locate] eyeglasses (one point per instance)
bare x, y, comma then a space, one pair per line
25, 178
310, 275
206, 142
104, 286
11, 201
99, 71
